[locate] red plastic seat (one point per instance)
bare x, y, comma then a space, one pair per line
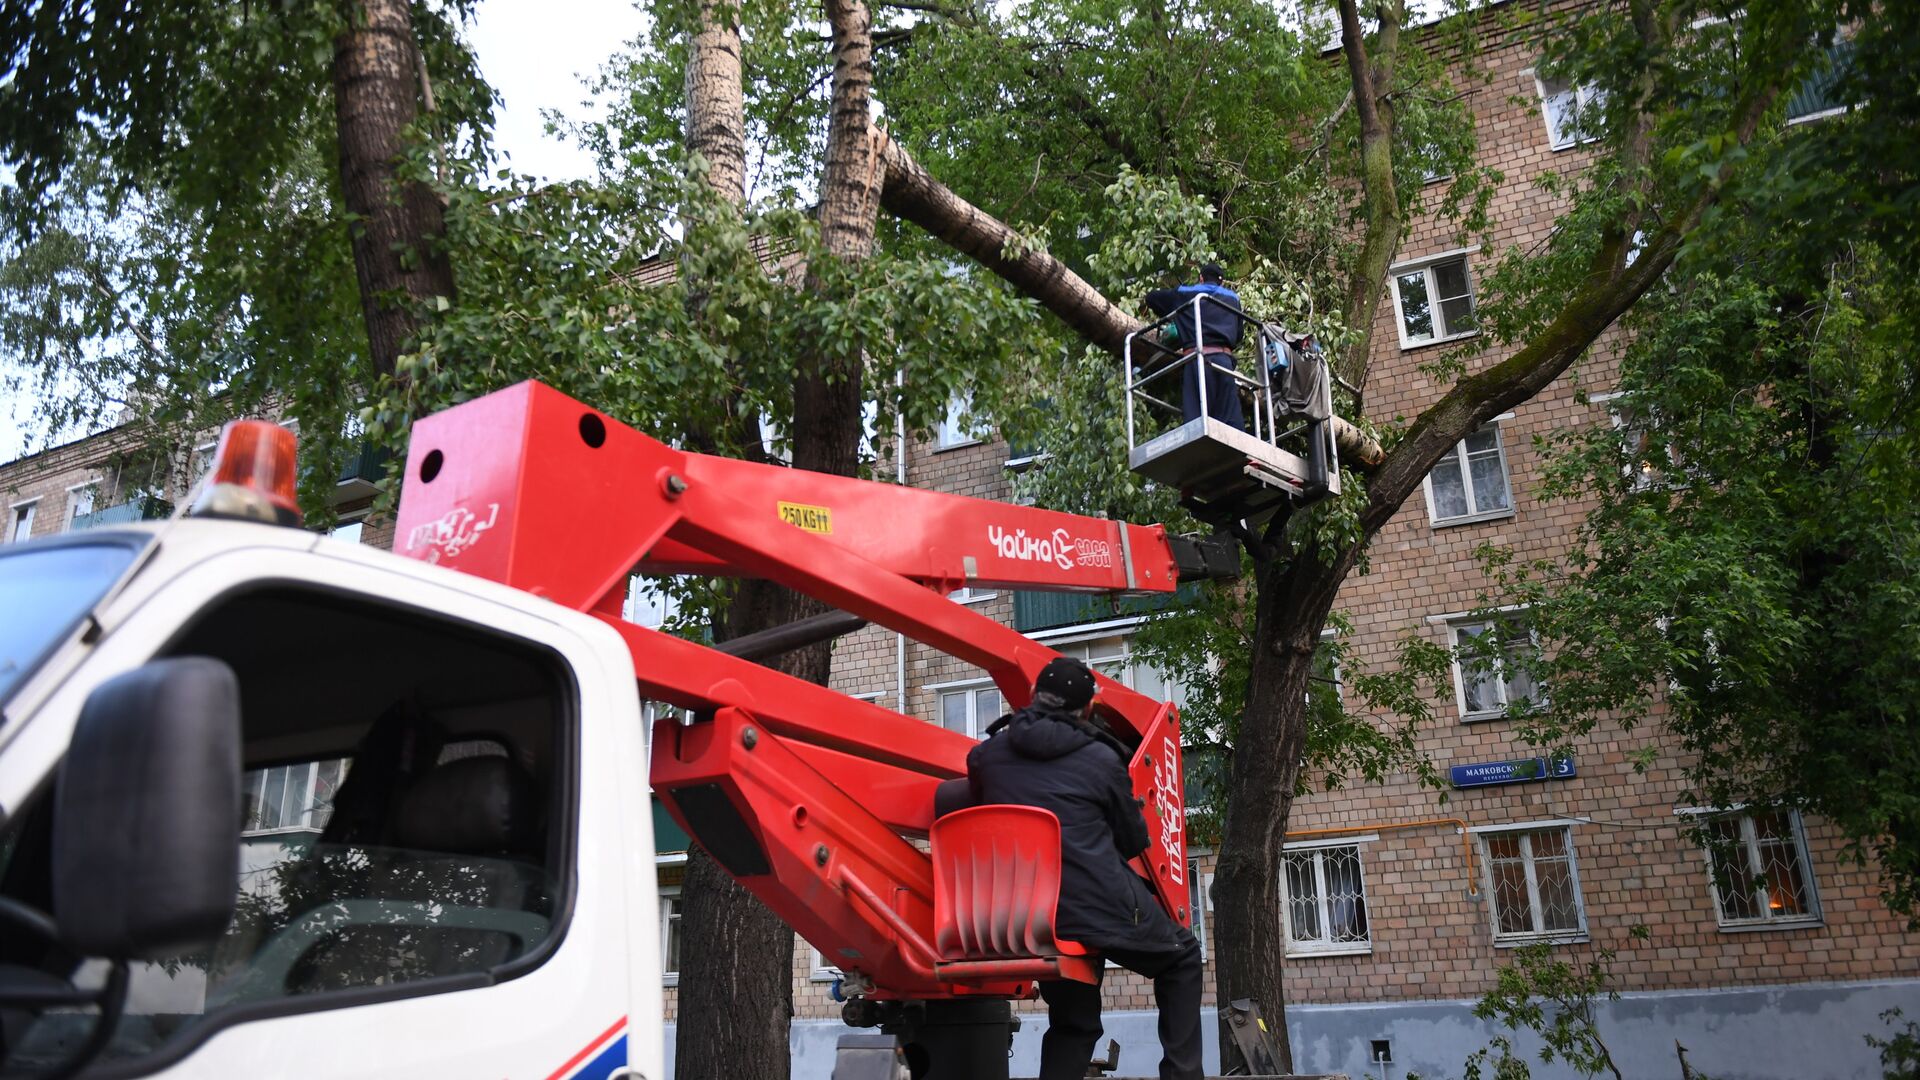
996, 885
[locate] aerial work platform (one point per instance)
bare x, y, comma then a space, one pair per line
1226, 474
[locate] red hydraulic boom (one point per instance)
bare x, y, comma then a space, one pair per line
805, 795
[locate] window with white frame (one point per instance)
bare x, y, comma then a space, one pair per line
1533, 885
1199, 902
773, 440
1325, 677
291, 798
955, 429
1569, 111
648, 603
819, 970
670, 934
1470, 483
971, 595
1324, 900
1641, 426
968, 708
1760, 870
79, 503
1429, 157
1492, 674
200, 465
1434, 300
1112, 656
20, 525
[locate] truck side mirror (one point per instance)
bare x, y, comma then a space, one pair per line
146, 833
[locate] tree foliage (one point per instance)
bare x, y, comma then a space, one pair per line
1556, 999
176, 248
1745, 580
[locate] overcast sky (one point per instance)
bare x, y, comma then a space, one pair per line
535, 52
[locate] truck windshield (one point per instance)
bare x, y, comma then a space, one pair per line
45, 591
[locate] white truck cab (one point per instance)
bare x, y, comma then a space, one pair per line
443, 865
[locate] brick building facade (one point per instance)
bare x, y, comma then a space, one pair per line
1400, 907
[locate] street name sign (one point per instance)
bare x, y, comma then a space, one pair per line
1489, 773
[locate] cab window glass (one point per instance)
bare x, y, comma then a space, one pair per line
402, 820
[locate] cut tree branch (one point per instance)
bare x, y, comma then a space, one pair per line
912, 194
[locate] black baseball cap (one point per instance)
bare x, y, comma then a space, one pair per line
1065, 683
1210, 271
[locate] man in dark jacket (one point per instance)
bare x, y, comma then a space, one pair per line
1212, 342
1050, 755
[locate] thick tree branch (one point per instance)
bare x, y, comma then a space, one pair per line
912, 194
1095, 121
1611, 288
1373, 102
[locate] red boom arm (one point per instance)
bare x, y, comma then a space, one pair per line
801, 792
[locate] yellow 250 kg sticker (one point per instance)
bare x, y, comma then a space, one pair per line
814, 519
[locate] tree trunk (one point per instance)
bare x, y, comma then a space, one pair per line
1294, 598
716, 124
736, 968
1380, 203
827, 399
736, 988
396, 226
733, 1017
736, 971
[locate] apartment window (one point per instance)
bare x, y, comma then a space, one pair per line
819, 970
1758, 863
1434, 300
954, 429
1491, 675
970, 708
648, 603
1470, 483
970, 595
1325, 901
1326, 669
670, 934
1534, 886
1199, 902
291, 798
348, 530
79, 503
21, 526
773, 440
1643, 463
1428, 156
200, 464
1568, 110
1113, 657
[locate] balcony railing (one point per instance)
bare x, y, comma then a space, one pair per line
138, 508
1820, 94
360, 476
1034, 611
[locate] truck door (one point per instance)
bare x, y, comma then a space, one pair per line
433, 880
